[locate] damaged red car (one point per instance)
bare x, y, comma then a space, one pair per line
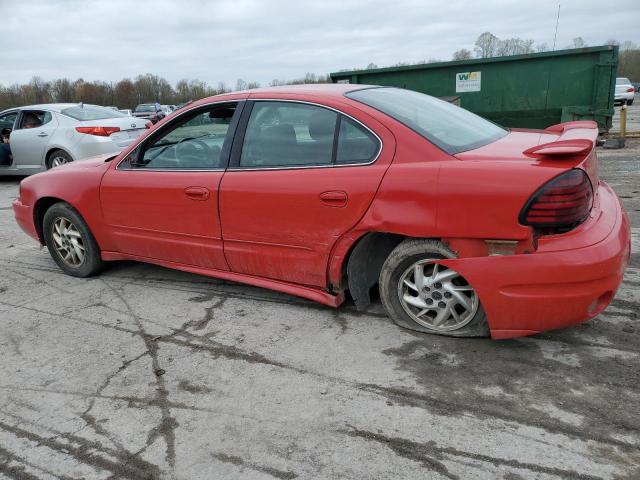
466, 228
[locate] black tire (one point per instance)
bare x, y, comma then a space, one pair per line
91, 263
629, 102
61, 154
401, 258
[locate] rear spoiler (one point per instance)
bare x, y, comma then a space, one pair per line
574, 138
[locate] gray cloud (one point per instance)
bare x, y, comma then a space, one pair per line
257, 40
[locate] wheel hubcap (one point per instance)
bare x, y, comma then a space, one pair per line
68, 242
57, 161
437, 297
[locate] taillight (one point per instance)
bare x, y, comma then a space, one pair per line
99, 131
630, 89
561, 204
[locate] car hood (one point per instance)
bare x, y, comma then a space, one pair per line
511, 146
98, 161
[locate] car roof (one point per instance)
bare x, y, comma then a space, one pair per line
54, 107
329, 90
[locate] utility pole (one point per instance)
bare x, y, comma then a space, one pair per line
555, 36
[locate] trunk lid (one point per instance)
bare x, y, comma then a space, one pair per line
570, 145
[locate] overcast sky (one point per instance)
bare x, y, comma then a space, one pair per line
255, 40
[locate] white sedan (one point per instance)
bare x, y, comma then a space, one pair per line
41, 137
625, 92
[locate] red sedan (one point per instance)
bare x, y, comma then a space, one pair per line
469, 229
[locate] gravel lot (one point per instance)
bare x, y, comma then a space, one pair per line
145, 373
633, 117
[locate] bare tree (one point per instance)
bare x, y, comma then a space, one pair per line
462, 54
486, 45
578, 42
542, 47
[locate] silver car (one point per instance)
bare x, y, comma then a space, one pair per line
45, 136
625, 92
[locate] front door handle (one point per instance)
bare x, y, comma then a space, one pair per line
197, 193
43, 134
334, 198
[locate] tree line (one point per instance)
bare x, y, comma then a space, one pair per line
126, 93
488, 45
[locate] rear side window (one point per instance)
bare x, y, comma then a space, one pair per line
288, 134
34, 118
91, 112
355, 143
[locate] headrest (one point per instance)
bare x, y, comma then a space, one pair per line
322, 124
281, 134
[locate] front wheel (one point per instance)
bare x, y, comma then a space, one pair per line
70, 242
425, 296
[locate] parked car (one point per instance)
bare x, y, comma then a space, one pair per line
167, 109
49, 135
150, 111
469, 229
625, 92
636, 85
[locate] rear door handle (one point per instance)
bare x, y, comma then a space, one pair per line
43, 134
334, 198
197, 193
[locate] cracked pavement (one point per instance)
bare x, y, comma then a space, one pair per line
148, 373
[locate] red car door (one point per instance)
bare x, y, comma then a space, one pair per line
301, 175
161, 201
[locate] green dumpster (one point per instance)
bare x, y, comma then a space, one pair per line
527, 91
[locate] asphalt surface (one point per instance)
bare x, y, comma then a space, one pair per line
145, 373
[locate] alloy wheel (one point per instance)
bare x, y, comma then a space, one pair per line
437, 297
58, 160
68, 242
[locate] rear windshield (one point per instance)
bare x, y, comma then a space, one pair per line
622, 81
91, 112
449, 127
146, 108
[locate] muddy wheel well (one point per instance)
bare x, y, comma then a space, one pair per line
365, 263
42, 205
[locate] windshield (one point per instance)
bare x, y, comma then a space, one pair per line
451, 128
146, 108
90, 112
622, 81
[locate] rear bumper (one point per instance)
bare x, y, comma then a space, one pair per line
530, 293
24, 218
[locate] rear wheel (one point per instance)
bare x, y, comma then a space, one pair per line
57, 158
70, 242
629, 102
422, 295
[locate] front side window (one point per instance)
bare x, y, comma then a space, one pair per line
282, 134
447, 126
90, 112
193, 142
7, 120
